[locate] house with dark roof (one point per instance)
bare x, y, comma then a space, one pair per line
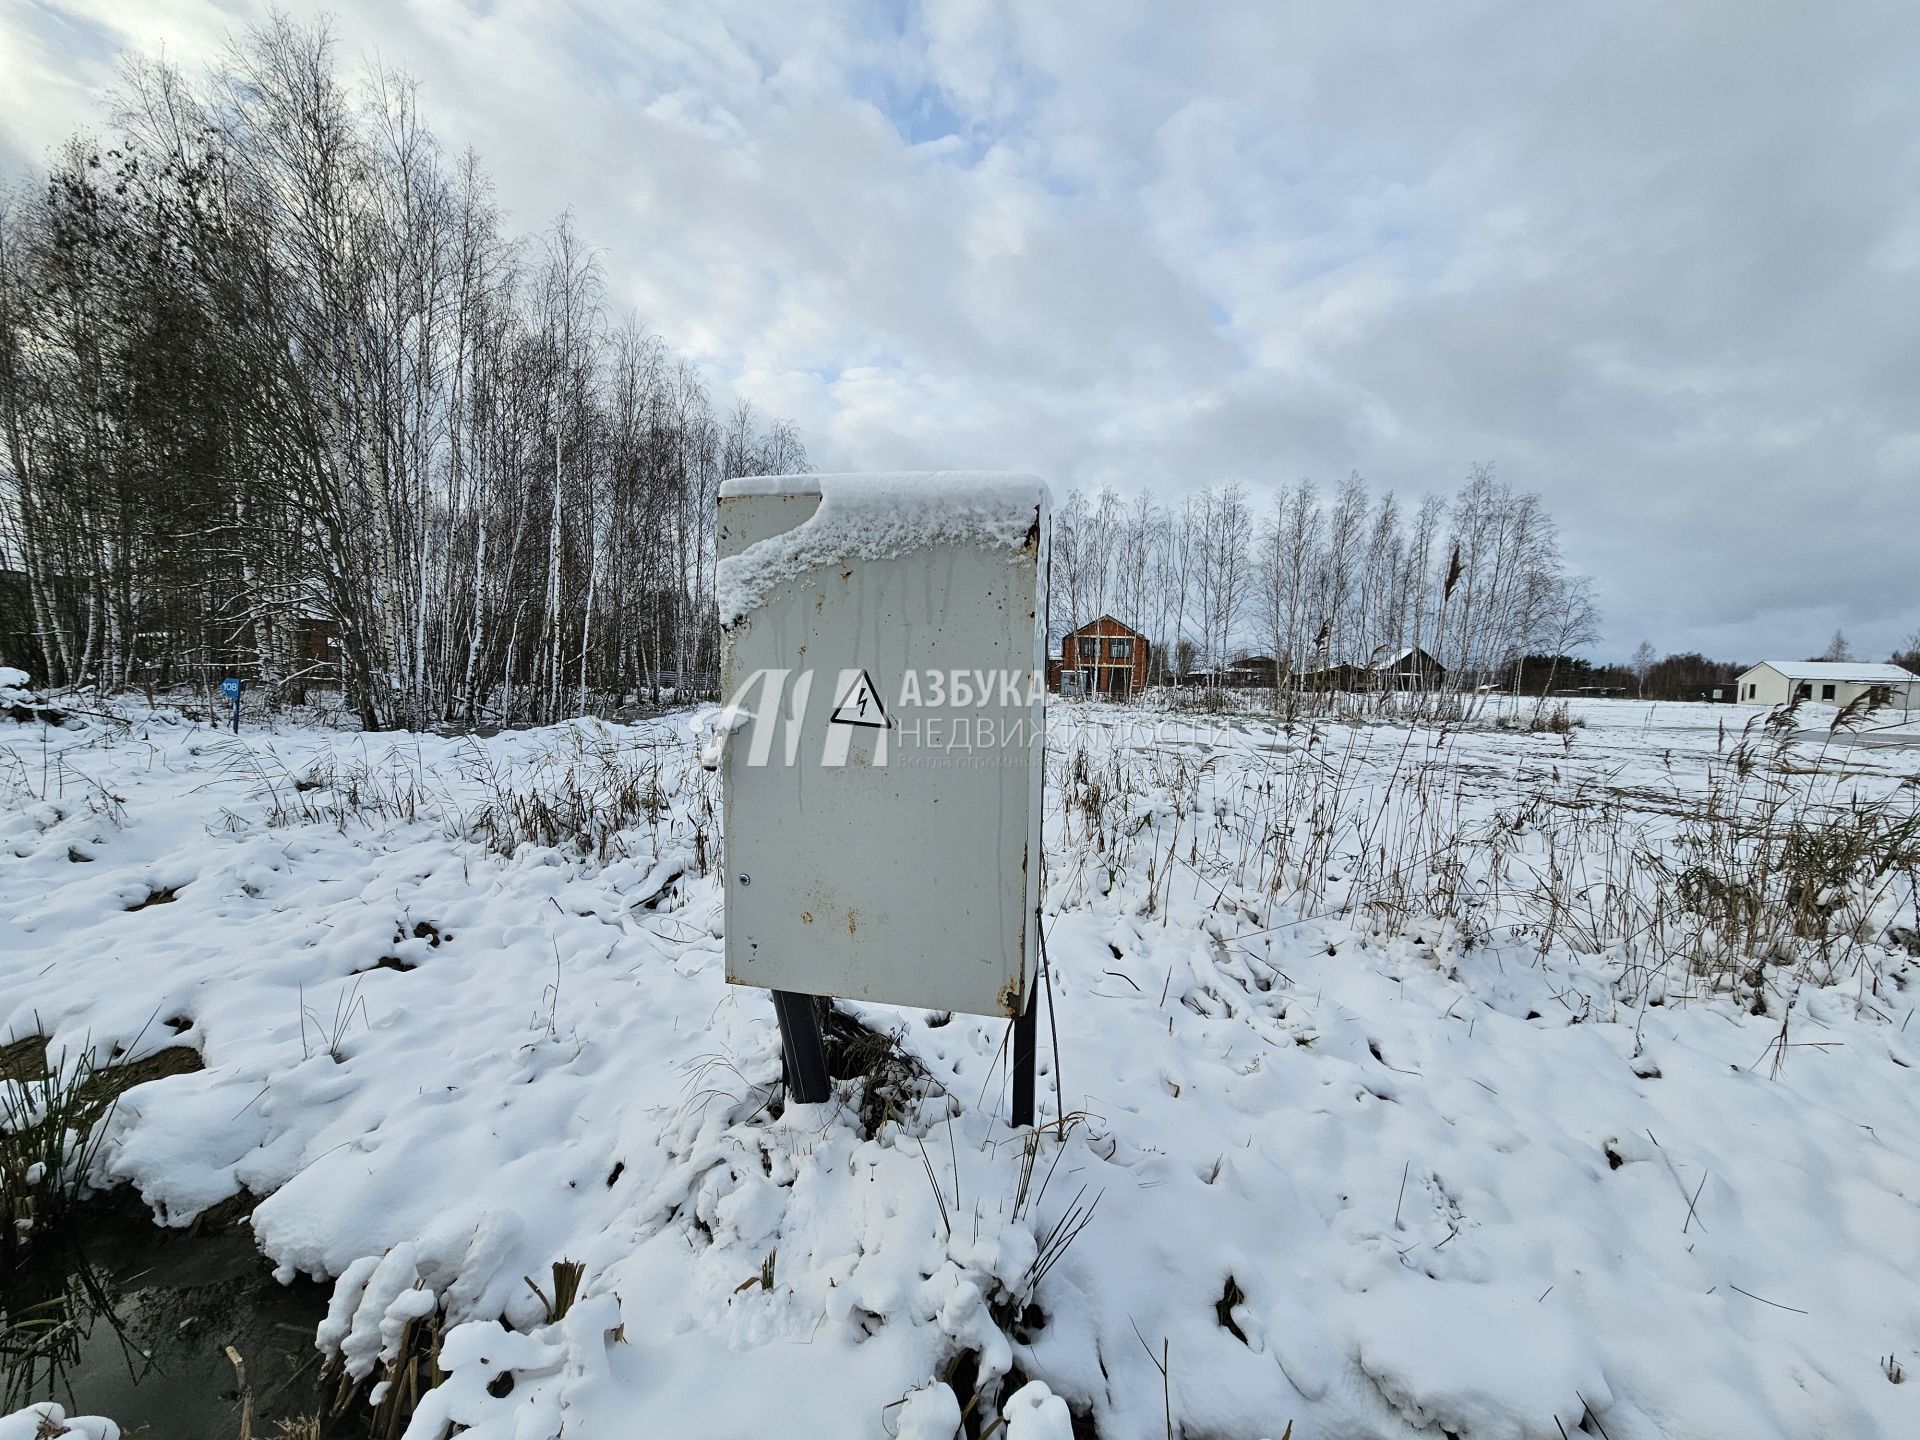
1409, 669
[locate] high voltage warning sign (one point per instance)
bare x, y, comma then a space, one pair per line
861, 705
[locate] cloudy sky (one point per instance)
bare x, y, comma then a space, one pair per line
1660, 262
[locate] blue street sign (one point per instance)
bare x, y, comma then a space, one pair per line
230, 688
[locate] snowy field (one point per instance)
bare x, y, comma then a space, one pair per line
1416, 1083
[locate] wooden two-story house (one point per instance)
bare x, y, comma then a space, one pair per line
1102, 657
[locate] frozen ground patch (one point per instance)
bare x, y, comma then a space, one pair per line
1341, 1157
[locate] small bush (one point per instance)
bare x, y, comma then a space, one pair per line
1555, 720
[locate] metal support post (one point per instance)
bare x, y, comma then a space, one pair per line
802, 1047
1025, 1060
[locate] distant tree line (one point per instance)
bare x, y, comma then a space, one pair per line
280, 397
1689, 676
1324, 581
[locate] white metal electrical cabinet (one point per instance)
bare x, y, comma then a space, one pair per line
882, 660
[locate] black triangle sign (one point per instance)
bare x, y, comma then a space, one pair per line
861, 705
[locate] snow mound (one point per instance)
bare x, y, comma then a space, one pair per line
1036, 1413
48, 1421
19, 701
930, 1413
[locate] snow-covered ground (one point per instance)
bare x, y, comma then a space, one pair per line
1376, 1124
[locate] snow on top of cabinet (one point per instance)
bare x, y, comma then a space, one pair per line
875, 517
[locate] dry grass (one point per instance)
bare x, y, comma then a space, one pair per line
1773, 869
589, 793
567, 1275
1768, 865
402, 1381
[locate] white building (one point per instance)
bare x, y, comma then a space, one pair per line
1833, 682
